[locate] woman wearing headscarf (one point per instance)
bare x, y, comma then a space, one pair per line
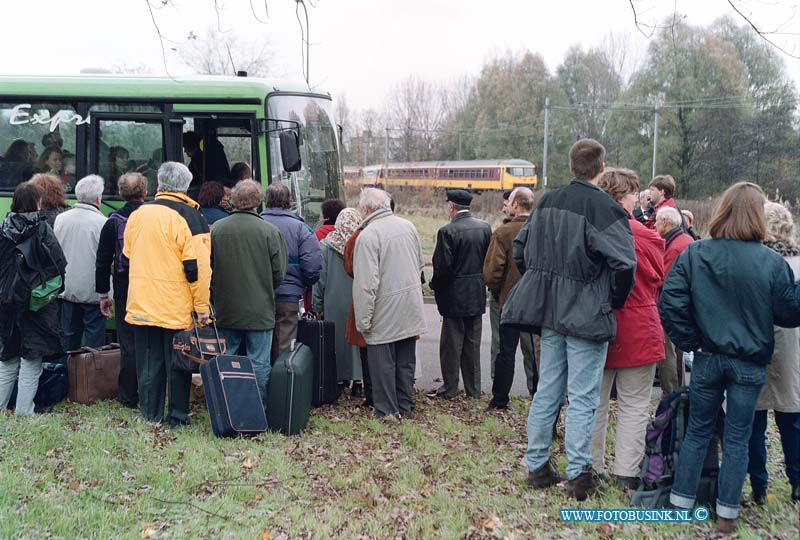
333, 293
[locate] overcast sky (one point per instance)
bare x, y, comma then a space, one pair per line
358, 47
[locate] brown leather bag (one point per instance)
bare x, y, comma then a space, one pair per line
93, 374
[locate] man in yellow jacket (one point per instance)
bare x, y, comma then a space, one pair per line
168, 246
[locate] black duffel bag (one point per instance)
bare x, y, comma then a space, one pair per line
196, 346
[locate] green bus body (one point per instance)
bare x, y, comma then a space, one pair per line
107, 125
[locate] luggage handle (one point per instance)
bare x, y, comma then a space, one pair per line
211, 322
94, 352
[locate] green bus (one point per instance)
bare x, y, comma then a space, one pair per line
109, 124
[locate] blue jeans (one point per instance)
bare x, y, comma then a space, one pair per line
575, 365
258, 344
789, 428
714, 377
79, 320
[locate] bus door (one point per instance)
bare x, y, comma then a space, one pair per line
212, 143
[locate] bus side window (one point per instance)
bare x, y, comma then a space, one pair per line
129, 146
37, 138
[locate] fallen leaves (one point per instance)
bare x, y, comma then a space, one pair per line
154, 530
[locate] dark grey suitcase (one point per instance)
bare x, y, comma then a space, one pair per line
289, 395
320, 338
232, 395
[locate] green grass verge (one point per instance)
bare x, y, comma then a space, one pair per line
454, 471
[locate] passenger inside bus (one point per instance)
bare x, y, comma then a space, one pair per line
17, 163
117, 164
51, 161
209, 151
240, 171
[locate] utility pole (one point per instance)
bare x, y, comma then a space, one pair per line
386, 160
365, 144
655, 139
546, 126
459, 144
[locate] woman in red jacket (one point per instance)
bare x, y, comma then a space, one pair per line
637, 347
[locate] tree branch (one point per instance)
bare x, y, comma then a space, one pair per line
761, 34
160, 38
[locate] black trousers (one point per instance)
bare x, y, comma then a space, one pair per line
362, 352
504, 366
155, 373
128, 393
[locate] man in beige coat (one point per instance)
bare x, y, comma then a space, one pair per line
387, 300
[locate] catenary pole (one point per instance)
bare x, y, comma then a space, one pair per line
655, 139
546, 126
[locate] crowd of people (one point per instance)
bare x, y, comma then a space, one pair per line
602, 286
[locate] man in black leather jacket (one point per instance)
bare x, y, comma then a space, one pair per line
460, 294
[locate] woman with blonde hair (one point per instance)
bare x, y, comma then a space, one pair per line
721, 299
781, 393
637, 348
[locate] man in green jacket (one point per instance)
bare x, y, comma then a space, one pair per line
248, 260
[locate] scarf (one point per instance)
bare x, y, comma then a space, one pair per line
785, 249
346, 224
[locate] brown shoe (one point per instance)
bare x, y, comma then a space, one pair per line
585, 484
725, 525
544, 476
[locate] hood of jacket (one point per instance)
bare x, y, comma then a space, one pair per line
178, 197
281, 212
17, 226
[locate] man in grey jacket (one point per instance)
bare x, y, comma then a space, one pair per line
78, 232
577, 261
387, 300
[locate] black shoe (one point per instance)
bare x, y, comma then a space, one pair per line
367, 403
760, 496
544, 476
626, 483
357, 390
492, 406
585, 484
439, 393
796, 493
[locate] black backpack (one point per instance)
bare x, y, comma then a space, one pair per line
663, 440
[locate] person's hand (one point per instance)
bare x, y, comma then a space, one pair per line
105, 307
203, 318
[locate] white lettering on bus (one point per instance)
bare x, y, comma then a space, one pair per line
20, 115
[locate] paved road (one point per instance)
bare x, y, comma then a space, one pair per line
429, 373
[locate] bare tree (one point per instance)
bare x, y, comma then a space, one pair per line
416, 113
225, 53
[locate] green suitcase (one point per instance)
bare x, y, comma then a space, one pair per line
290, 388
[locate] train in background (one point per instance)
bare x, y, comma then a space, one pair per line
474, 175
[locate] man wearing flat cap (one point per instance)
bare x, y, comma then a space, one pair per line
460, 294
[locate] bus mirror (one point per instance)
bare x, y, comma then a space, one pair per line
290, 151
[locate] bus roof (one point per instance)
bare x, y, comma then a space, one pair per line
125, 86
472, 163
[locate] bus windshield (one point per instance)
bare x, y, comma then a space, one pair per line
321, 175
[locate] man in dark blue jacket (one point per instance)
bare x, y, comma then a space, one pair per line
303, 270
577, 261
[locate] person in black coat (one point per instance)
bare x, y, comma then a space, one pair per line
26, 336
460, 294
110, 267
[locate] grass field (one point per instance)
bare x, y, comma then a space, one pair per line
453, 472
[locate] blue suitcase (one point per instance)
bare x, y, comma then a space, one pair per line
233, 398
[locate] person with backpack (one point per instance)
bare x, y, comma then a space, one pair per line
30, 258
111, 267
636, 349
721, 300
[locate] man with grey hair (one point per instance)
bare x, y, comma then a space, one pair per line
167, 245
387, 302
78, 232
304, 267
112, 269
249, 262
669, 225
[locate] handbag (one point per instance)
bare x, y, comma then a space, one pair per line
46, 292
196, 346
